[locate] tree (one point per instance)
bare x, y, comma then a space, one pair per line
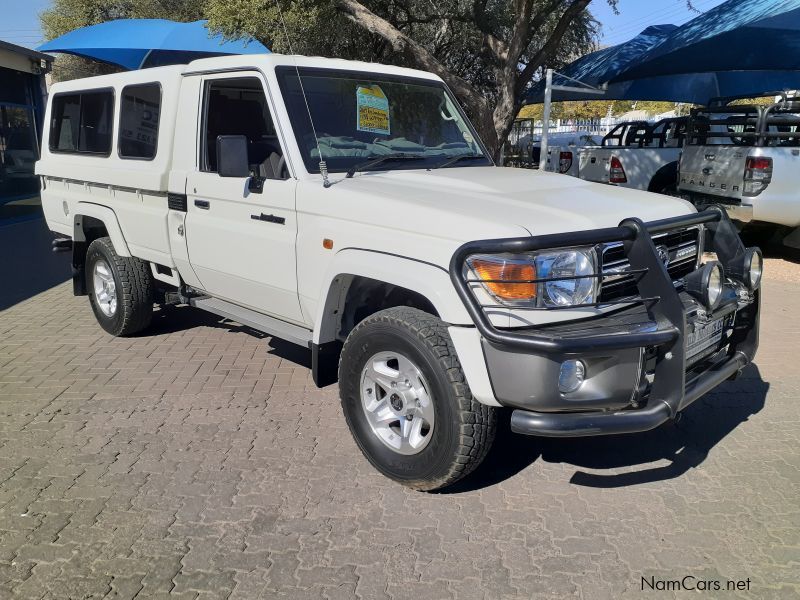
487, 52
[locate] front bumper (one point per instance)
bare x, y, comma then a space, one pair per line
638, 371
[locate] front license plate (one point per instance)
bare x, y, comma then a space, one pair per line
703, 338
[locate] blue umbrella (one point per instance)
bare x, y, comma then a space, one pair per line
139, 43
701, 88
599, 67
737, 35
627, 73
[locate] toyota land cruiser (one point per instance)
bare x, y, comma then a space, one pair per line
351, 208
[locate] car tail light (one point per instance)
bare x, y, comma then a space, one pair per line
616, 173
564, 162
757, 175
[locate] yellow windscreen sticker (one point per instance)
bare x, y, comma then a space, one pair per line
372, 110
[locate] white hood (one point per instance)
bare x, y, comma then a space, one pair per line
465, 204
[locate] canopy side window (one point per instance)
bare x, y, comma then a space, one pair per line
140, 109
82, 122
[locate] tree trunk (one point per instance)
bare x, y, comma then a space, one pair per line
505, 110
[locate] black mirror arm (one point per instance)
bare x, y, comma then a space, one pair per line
255, 184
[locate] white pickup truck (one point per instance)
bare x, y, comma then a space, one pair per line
747, 158
636, 155
351, 208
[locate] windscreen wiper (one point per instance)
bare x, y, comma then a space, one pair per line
454, 159
376, 160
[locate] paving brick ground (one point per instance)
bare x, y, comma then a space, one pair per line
200, 461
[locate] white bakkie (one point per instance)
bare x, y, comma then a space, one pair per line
636, 155
351, 208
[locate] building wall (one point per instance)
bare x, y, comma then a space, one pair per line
22, 93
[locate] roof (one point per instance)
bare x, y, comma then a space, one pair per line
25, 51
273, 60
246, 61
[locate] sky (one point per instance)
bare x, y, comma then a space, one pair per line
20, 21
636, 15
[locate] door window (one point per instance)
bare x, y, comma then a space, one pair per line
239, 107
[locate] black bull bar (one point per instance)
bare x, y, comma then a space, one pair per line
657, 293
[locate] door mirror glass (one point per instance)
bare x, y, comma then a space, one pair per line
232, 156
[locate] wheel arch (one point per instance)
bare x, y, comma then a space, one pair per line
665, 174
414, 278
360, 283
91, 221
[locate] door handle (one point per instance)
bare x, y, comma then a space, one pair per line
269, 218
204, 204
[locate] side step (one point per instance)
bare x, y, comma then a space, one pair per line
245, 316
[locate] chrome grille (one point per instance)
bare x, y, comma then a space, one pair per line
680, 246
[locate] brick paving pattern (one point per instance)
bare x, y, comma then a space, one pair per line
199, 461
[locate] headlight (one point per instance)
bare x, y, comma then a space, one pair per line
569, 291
533, 279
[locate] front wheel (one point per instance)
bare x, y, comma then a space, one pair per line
407, 403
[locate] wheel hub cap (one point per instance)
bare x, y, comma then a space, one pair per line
396, 402
105, 290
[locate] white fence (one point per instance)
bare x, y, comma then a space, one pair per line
522, 147
527, 128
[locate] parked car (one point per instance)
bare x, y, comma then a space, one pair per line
563, 149
352, 209
637, 155
747, 158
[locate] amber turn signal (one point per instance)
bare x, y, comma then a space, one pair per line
507, 280
327, 243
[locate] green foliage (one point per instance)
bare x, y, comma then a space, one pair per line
445, 29
596, 109
479, 47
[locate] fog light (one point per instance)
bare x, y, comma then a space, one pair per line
706, 284
748, 268
571, 376
756, 263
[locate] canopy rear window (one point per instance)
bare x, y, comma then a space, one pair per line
81, 122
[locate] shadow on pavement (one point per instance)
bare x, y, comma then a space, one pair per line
171, 319
684, 444
29, 267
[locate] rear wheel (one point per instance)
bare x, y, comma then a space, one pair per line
665, 181
407, 403
120, 289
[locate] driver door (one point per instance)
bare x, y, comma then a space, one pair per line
241, 243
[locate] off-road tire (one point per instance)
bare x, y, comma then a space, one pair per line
665, 181
134, 285
464, 428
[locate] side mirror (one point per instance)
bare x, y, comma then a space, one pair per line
232, 158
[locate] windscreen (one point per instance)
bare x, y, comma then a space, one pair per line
359, 117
